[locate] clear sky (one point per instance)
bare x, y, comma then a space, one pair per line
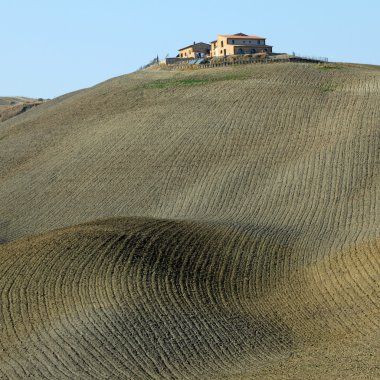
49, 47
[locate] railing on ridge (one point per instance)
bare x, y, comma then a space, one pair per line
245, 61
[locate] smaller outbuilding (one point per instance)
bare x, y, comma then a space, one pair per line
196, 50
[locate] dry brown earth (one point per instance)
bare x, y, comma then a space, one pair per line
223, 223
13, 106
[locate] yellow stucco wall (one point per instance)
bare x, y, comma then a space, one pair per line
222, 47
190, 53
187, 53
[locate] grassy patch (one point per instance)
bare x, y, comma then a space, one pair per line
329, 87
233, 77
328, 66
168, 83
177, 83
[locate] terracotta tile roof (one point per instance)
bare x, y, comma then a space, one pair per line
252, 46
243, 37
196, 45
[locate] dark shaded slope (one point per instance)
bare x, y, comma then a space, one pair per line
144, 298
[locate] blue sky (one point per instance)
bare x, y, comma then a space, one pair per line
49, 48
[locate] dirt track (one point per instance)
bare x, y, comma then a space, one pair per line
243, 231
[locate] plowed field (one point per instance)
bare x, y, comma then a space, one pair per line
217, 224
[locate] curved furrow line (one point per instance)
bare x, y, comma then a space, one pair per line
36, 280
136, 276
20, 294
265, 253
13, 292
64, 321
134, 359
78, 321
100, 329
143, 279
67, 320
187, 294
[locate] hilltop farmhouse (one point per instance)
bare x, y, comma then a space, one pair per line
239, 43
226, 45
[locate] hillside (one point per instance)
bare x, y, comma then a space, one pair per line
222, 223
13, 106
6, 101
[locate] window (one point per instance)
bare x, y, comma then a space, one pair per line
222, 44
233, 41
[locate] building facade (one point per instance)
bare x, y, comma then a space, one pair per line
196, 50
238, 44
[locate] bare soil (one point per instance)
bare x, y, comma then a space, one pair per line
215, 224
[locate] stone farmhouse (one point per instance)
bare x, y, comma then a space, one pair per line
196, 50
225, 45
